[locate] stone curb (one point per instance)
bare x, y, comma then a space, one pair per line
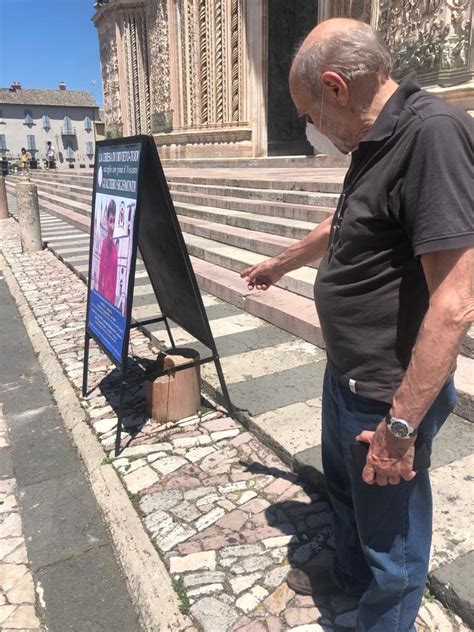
148, 580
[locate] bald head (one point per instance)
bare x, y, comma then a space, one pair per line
347, 47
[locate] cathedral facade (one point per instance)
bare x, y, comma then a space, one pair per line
209, 78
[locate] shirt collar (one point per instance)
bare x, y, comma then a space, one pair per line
388, 118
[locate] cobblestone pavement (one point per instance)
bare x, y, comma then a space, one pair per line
17, 589
228, 517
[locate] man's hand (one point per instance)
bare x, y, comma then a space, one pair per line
389, 459
262, 275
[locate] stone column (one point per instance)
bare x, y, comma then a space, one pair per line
4, 214
256, 41
28, 216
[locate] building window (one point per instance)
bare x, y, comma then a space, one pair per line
28, 118
88, 124
3, 142
30, 142
89, 148
69, 153
46, 123
67, 126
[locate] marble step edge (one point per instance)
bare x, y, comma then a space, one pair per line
311, 185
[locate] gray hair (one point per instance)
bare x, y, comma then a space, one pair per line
352, 52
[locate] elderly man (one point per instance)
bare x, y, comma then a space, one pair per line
394, 298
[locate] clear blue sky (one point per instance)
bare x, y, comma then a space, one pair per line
43, 42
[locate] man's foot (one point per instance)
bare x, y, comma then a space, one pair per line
314, 581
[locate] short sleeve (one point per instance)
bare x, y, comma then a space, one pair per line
437, 192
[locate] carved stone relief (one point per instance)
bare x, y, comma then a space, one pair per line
210, 62
158, 56
429, 36
110, 80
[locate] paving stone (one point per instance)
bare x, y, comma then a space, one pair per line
224, 434
243, 550
234, 520
23, 591
197, 579
105, 425
276, 576
245, 496
311, 627
214, 615
256, 506
140, 479
10, 575
251, 564
251, 599
22, 618
178, 534
209, 518
186, 442
245, 582
196, 454
145, 449
169, 464
302, 616
186, 511
161, 500
193, 562
278, 600
158, 521
199, 492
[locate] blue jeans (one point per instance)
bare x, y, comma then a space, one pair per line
382, 535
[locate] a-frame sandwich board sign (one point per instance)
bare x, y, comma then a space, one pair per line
132, 210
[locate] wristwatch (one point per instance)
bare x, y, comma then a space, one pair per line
400, 428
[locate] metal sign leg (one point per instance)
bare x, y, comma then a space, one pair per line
118, 432
225, 392
86, 365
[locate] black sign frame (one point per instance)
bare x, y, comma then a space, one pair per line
150, 165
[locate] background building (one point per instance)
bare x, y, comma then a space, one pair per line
209, 77
29, 118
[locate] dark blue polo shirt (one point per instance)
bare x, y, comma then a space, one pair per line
408, 191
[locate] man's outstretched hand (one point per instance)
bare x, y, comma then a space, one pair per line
262, 275
389, 459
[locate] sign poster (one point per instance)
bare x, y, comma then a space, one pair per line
112, 244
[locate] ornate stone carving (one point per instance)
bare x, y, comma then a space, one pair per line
158, 55
430, 36
110, 79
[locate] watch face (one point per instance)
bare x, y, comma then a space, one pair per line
399, 429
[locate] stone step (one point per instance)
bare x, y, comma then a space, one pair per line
255, 241
301, 212
236, 259
294, 229
310, 185
320, 160
286, 196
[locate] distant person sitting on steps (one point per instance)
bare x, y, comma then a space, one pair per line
108, 258
50, 156
24, 160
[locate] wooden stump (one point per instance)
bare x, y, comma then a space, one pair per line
178, 394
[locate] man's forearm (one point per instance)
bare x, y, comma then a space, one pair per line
309, 249
433, 358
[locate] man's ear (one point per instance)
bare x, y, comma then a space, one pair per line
336, 87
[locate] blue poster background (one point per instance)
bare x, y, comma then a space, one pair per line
107, 324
